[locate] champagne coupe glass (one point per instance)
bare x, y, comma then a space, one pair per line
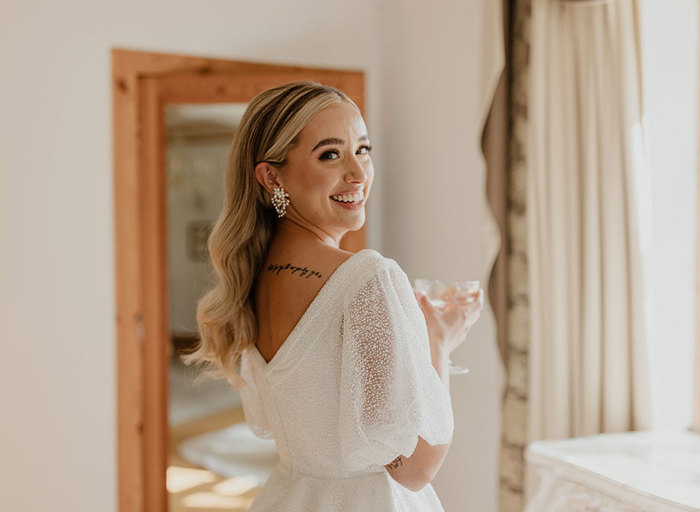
445, 295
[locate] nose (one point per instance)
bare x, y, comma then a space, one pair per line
356, 171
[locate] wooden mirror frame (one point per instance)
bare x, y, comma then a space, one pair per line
143, 83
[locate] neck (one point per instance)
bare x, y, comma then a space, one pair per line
289, 231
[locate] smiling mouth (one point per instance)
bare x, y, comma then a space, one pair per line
356, 203
361, 197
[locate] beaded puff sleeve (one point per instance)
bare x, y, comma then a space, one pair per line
389, 391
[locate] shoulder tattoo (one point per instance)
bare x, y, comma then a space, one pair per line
300, 271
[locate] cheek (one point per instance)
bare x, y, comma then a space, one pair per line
317, 188
370, 177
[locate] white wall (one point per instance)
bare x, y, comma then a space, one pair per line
434, 185
670, 61
57, 307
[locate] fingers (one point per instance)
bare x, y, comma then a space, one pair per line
424, 301
478, 303
471, 299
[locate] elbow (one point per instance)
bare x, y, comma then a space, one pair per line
426, 478
417, 481
419, 487
412, 479
417, 471
429, 471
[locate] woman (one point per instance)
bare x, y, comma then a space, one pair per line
333, 354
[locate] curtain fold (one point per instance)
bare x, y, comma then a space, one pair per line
587, 355
494, 147
503, 150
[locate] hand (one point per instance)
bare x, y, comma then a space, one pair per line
448, 326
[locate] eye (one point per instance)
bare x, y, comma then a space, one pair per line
367, 149
331, 152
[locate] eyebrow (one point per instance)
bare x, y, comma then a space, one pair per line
335, 140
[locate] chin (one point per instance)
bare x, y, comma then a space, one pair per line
351, 226
357, 225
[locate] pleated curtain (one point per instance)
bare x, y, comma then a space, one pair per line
588, 370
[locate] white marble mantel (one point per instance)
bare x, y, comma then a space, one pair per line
624, 472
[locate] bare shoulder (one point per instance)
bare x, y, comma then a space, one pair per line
325, 259
334, 257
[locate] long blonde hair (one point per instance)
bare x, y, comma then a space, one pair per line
240, 237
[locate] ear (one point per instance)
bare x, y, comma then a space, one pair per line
266, 175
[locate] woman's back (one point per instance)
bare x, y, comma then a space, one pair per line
350, 387
286, 285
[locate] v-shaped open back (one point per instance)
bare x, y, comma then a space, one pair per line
318, 299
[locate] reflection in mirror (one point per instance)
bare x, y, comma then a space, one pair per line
197, 141
214, 460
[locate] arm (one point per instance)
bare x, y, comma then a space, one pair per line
393, 388
416, 471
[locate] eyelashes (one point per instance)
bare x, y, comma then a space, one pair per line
366, 147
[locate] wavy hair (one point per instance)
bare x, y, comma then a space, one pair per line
241, 235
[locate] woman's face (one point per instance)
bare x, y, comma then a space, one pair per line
330, 158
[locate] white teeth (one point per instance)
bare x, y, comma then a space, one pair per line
349, 198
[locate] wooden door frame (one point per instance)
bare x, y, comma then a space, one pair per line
142, 84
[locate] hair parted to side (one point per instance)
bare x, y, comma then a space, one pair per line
241, 235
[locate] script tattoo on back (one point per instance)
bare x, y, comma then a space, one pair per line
395, 463
300, 271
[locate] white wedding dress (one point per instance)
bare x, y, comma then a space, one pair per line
350, 389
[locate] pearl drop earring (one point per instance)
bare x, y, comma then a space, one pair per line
280, 200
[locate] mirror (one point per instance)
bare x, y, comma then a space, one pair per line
214, 462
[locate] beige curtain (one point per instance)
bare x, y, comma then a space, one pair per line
587, 359
494, 142
503, 138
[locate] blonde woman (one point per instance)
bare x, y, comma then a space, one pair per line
335, 357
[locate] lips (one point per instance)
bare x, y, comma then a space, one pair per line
350, 202
356, 197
